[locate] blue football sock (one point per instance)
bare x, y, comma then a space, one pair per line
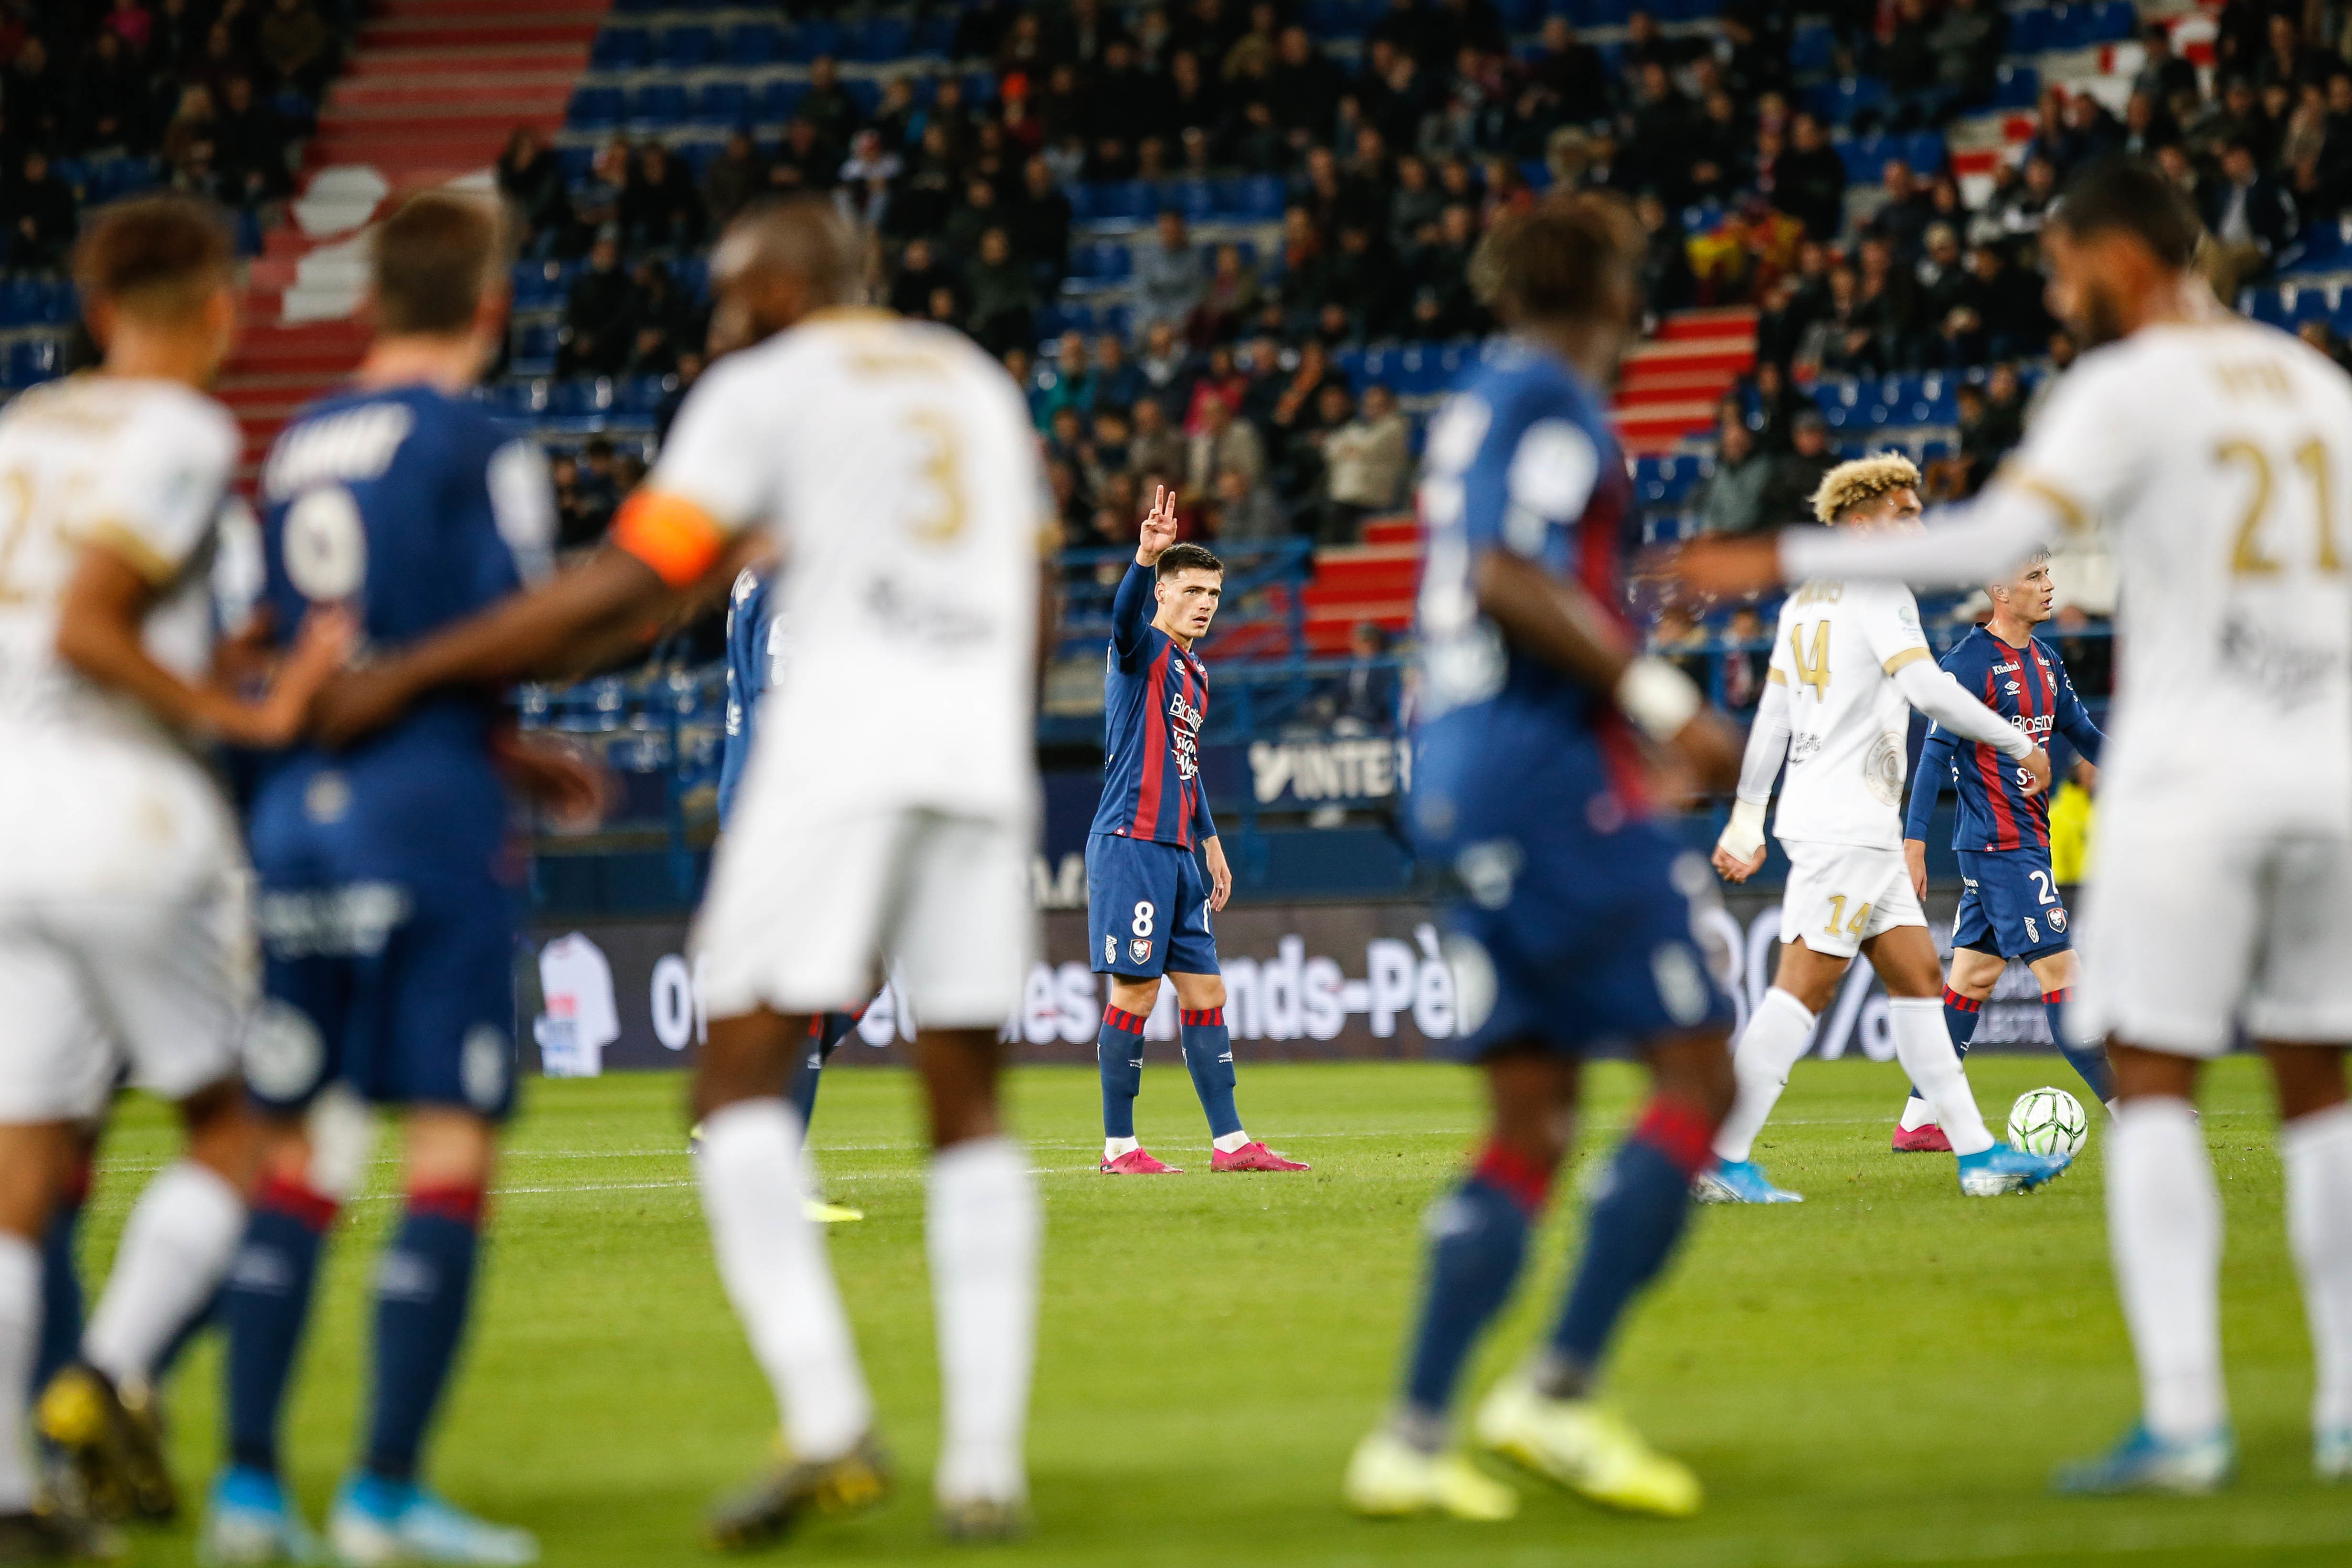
423, 1285
2089, 1059
1478, 1241
822, 1038
265, 1303
1960, 1016
1119, 1053
213, 1311
1209, 1054
1631, 1233
61, 1303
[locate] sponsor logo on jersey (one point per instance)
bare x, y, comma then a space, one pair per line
2011, 687
2033, 932
2057, 919
1139, 949
1110, 948
1184, 735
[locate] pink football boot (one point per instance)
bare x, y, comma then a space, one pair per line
1252, 1157
1927, 1140
1137, 1162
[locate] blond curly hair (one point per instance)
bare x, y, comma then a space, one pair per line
1861, 481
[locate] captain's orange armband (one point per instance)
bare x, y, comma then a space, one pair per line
670, 533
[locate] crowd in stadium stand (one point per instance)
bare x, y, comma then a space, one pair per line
1392, 162
217, 93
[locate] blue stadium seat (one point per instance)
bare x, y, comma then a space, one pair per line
539, 285
595, 108
779, 100
933, 34
723, 104
1263, 196
1196, 199
2016, 86
812, 37
534, 349
2030, 30
2113, 21
1924, 151
621, 49
576, 163
1838, 101
1813, 50
692, 276
1349, 363
33, 360
641, 396
865, 93
754, 44
1865, 157
685, 48
657, 106
884, 38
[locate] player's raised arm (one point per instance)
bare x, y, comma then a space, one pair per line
1131, 608
1893, 628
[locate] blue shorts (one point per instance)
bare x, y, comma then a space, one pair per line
403, 993
2009, 905
1146, 909
1580, 943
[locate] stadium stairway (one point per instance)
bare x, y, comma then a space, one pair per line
1669, 386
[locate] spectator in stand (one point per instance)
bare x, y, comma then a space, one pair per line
1223, 440
1169, 277
1965, 41
1887, 307
1227, 300
1903, 210
1366, 461
42, 216
866, 179
919, 272
1245, 511
598, 314
249, 141
113, 98
530, 178
1732, 499
1003, 295
296, 46
1071, 382
1365, 703
1797, 473
596, 200
806, 161
1118, 380
2163, 73
38, 105
732, 178
2252, 218
1041, 223
1667, 283
1809, 179
659, 207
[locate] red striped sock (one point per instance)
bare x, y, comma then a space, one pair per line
1520, 1179
1195, 1017
1958, 1003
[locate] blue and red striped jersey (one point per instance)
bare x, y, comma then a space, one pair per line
2028, 687
1155, 699
1521, 460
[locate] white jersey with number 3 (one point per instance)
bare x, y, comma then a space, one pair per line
895, 464
1837, 649
2222, 454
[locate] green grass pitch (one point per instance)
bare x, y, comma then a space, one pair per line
1885, 1374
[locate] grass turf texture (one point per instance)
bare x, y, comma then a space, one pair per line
1885, 1373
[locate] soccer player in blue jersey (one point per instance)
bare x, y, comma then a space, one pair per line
1579, 924
1148, 905
388, 906
2009, 905
755, 647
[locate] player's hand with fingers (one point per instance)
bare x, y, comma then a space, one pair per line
321, 645
1159, 530
1915, 860
1724, 567
1732, 869
2036, 766
355, 703
573, 788
1221, 875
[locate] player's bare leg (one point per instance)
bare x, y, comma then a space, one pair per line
772, 1261
1208, 1057
2315, 1146
984, 1230
1778, 1033
1968, 985
176, 1248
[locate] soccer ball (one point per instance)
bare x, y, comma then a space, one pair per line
2048, 1122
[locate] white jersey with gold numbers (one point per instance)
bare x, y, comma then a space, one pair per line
895, 464
1837, 649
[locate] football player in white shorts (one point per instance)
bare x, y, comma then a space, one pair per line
2219, 455
1849, 663
893, 467
123, 938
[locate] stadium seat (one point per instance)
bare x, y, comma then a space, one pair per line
883, 38
779, 100
657, 106
1196, 199
685, 48
933, 34
621, 49
723, 104
2016, 86
754, 44
595, 108
1924, 151
2029, 30
1813, 49
534, 349
811, 37
2113, 21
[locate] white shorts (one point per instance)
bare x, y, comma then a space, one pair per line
804, 903
2187, 934
126, 940
1840, 895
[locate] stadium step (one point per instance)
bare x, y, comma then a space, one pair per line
1668, 388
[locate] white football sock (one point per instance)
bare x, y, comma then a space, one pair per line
20, 1331
983, 1231
1924, 1046
2164, 1225
175, 1248
777, 1275
1917, 1113
1114, 1147
1778, 1033
1237, 1139
2318, 1151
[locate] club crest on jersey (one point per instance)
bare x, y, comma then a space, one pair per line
2058, 920
1139, 949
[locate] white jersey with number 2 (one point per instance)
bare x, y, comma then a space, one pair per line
1837, 649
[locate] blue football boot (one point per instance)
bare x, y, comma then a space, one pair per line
1739, 1182
2143, 1462
379, 1521
249, 1520
2000, 1170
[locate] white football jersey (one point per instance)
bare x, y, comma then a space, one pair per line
1837, 650
2220, 454
143, 466
896, 465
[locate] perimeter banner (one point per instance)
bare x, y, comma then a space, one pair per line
1303, 982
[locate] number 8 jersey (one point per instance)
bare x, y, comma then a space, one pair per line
1836, 652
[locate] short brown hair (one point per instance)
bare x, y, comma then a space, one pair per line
1188, 558
159, 257
433, 260
1552, 262
1861, 482
803, 235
